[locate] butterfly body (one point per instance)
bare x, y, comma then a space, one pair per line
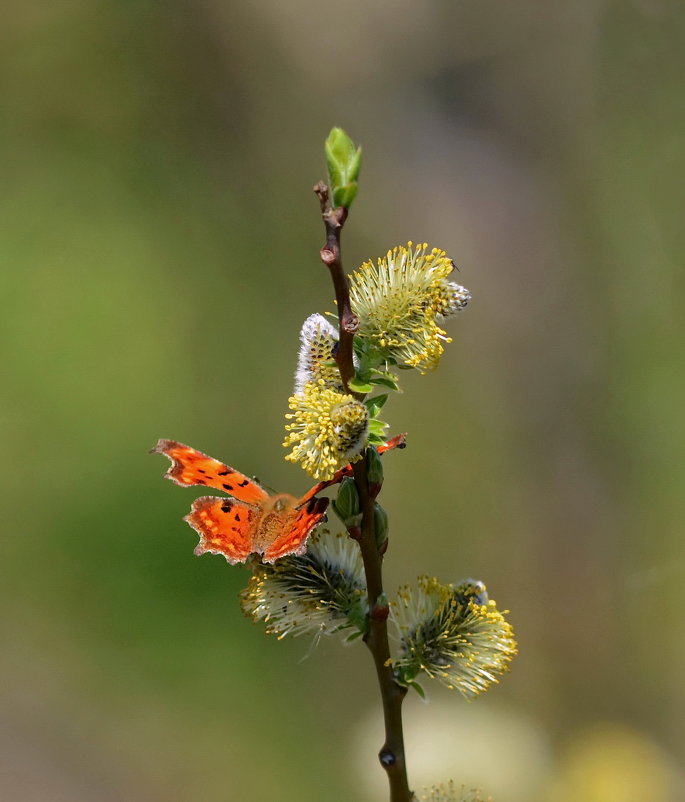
279, 512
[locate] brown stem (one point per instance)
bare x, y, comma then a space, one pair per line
391, 754
334, 220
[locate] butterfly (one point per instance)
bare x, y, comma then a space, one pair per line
250, 520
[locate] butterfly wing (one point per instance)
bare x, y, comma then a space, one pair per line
190, 467
294, 539
225, 526
399, 441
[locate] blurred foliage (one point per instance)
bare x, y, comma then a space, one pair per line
155, 274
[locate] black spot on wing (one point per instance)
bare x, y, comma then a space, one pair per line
316, 506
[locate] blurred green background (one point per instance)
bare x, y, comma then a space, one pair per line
159, 244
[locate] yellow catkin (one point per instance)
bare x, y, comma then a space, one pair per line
327, 429
401, 301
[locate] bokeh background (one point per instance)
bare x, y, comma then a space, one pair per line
159, 244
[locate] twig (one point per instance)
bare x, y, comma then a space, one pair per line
391, 754
334, 220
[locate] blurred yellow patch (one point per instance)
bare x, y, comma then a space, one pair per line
611, 763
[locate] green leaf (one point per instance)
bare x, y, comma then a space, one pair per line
361, 346
358, 617
354, 164
376, 439
375, 404
377, 426
385, 381
358, 386
404, 674
418, 688
344, 195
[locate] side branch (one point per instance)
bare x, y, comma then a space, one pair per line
334, 220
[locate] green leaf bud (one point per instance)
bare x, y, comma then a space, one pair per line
348, 497
346, 505
344, 162
381, 524
374, 466
343, 196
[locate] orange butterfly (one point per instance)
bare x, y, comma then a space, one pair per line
251, 520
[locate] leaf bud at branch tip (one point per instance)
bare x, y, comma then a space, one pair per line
344, 162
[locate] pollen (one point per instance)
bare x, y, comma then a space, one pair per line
327, 431
453, 634
321, 592
315, 359
402, 301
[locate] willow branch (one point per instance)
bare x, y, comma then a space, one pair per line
334, 220
391, 754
